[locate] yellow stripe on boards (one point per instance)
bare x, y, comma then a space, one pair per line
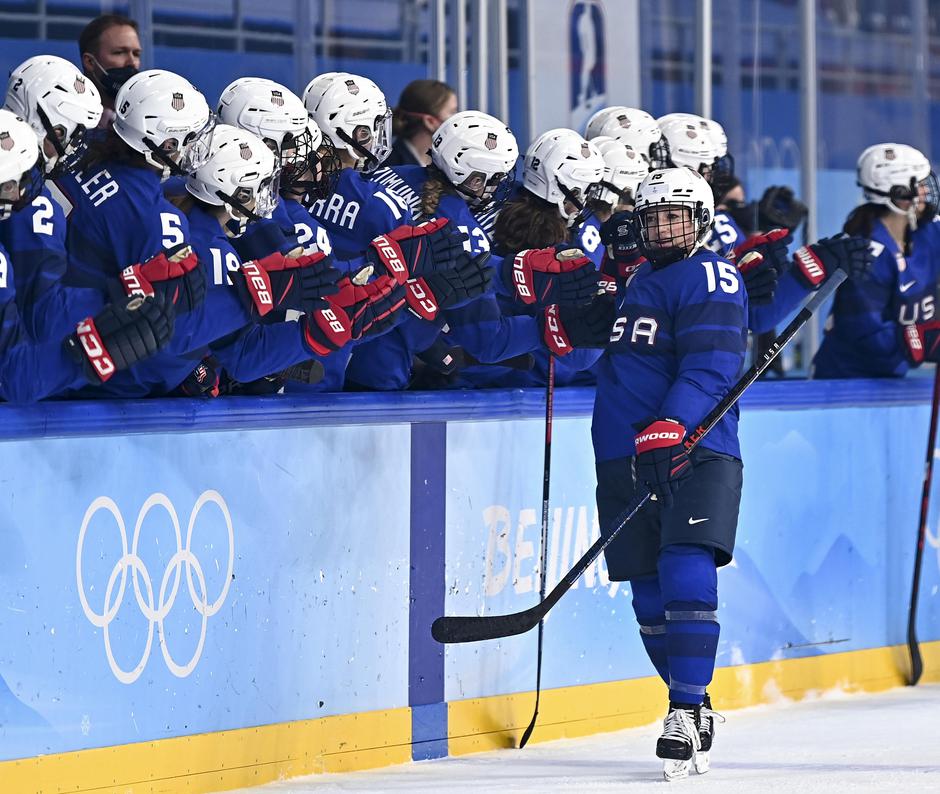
498, 722
217, 761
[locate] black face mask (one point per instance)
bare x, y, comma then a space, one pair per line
111, 80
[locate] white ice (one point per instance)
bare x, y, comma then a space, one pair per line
884, 742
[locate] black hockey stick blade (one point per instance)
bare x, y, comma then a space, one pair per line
458, 628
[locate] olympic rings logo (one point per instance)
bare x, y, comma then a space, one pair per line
157, 612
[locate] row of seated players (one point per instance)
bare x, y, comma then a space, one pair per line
263, 247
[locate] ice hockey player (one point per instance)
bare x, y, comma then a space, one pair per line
677, 346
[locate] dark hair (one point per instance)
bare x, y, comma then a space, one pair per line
528, 221
110, 149
435, 186
420, 97
90, 36
861, 222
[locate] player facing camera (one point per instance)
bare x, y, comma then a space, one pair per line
673, 215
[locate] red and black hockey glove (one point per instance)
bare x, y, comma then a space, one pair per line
761, 260
559, 274
922, 342
355, 311
813, 263
417, 251
286, 282
449, 288
622, 254
174, 273
120, 335
565, 328
662, 461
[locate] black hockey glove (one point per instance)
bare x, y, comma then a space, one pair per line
120, 335
813, 263
622, 255
449, 288
662, 461
418, 251
565, 328
761, 260
779, 207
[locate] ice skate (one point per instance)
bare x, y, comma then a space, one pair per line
706, 732
680, 741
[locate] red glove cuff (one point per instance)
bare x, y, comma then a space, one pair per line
758, 239
810, 266
94, 349
555, 337
135, 282
392, 257
259, 286
659, 434
420, 299
334, 328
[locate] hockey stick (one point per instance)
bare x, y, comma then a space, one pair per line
543, 578
917, 663
467, 628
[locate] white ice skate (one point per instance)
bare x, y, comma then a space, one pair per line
680, 741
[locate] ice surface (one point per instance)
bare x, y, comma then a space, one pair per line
837, 743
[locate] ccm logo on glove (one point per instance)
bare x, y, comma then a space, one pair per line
94, 349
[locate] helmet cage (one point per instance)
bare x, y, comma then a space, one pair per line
194, 151
69, 151
324, 166
379, 137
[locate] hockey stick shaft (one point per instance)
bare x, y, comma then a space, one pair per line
917, 662
543, 574
487, 627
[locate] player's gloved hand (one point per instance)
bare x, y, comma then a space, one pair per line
203, 381
417, 251
813, 263
619, 236
262, 238
761, 260
559, 274
357, 310
449, 288
662, 461
922, 342
286, 282
565, 328
780, 207
174, 273
120, 335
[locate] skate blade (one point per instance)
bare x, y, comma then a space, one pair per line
702, 762
676, 770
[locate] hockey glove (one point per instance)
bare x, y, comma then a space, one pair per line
174, 273
203, 381
619, 237
813, 263
120, 335
282, 282
417, 251
551, 275
427, 296
357, 310
922, 342
761, 260
662, 461
780, 207
567, 327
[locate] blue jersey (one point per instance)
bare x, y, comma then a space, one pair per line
587, 237
864, 332
29, 370
36, 234
726, 235
676, 349
358, 211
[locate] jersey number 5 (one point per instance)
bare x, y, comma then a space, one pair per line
727, 276
172, 233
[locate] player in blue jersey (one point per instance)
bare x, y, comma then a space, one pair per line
677, 346
883, 326
353, 113
473, 156
95, 347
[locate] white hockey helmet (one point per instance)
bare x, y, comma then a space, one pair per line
58, 102
895, 172
241, 172
662, 238
624, 169
689, 142
560, 167
478, 154
21, 172
353, 112
165, 118
632, 126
